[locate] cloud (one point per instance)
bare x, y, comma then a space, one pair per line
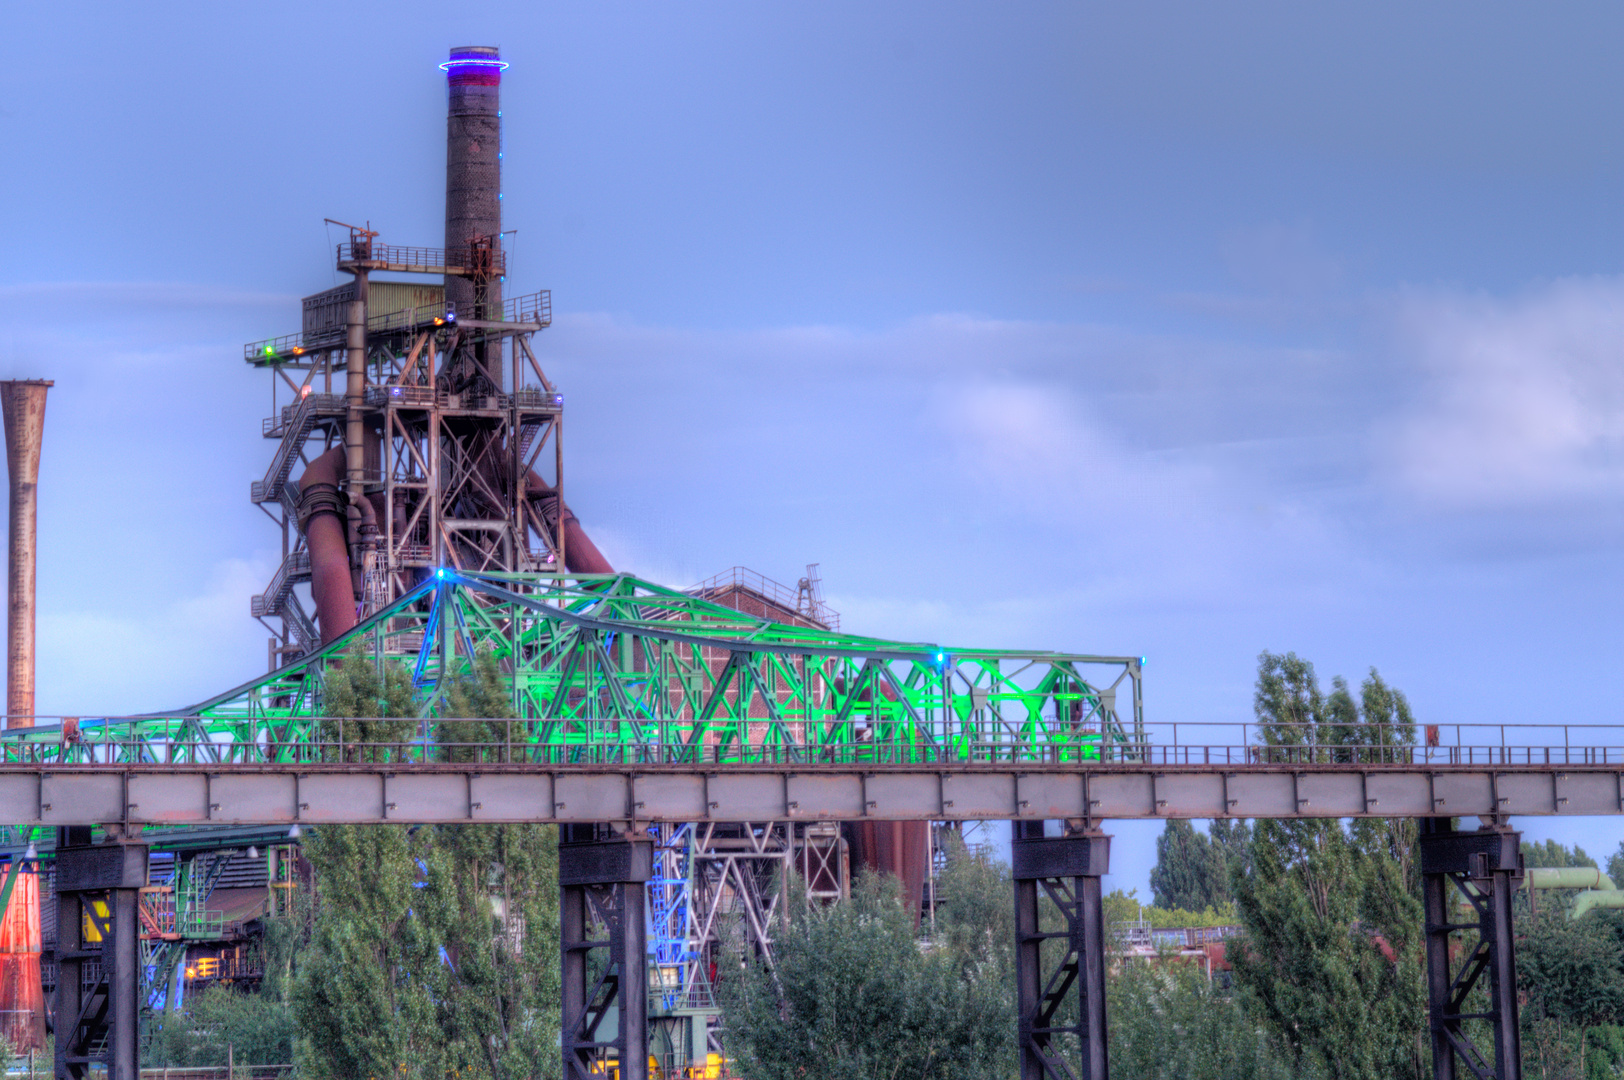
1519, 402
153, 651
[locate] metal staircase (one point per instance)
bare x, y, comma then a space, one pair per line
300, 419
294, 569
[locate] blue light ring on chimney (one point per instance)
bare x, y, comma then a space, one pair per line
474, 67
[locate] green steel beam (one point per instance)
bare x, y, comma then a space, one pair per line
599, 660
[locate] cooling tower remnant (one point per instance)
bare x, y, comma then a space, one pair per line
23, 403
473, 167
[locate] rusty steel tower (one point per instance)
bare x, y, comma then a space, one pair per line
414, 426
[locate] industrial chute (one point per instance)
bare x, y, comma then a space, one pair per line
22, 997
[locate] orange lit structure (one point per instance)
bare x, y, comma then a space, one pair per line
22, 998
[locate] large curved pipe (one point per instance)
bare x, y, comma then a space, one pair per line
322, 518
1569, 877
1596, 898
581, 555
1599, 891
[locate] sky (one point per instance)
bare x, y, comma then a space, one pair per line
1175, 330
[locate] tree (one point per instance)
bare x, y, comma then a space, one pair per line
221, 1024
1292, 711
1552, 854
1168, 1022
854, 993
1183, 876
1192, 867
1615, 865
434, 950
1570, 973
1332, 957
1231, 839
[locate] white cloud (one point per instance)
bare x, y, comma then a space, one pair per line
1521, 400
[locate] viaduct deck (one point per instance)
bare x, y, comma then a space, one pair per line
430, 792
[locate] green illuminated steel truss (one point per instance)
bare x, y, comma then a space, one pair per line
613, 669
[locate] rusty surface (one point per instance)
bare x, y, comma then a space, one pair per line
23, 403
473, 174
327, 537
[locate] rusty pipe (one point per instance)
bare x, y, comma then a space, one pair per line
23, 403
581, 555
323, 517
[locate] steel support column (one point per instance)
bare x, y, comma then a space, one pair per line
1048, 978
604, 953
1470, 876
98, 982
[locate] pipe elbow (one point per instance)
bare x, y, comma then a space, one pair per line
324, 522
1591, 899
319, 491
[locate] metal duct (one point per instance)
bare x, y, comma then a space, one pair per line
23, 403
899, 848
473, 166
324, 521
581, 555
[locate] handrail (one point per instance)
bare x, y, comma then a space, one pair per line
565, 742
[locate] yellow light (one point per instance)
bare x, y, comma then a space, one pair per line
298, 350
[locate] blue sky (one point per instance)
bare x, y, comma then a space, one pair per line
1168, 329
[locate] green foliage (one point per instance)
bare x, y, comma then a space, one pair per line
434, 950
1571, 970
1319, 901
1188, 871
1571, 977
1615, 865
1192, 867
1121, 907
1314, 905
256, 1027
1124, 907
856, 994
1231, 840
975, 917
1168, 1022
1552, 854
1292, 711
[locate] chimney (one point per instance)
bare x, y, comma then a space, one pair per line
473, 167
23, 402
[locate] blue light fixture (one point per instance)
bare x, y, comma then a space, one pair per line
471, 61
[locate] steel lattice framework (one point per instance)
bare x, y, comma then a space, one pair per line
612, 668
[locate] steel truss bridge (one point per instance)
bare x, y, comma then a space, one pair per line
636, 703
643, 717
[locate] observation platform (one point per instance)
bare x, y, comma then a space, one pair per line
395, 259
520, 315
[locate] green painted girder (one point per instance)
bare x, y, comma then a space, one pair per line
612, 661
